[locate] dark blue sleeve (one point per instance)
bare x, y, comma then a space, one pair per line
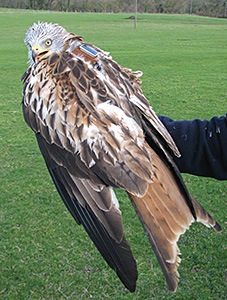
203, 145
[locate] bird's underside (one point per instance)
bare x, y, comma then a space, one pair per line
96, 130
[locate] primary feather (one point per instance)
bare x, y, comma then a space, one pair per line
96, 130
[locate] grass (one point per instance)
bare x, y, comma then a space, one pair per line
44, 254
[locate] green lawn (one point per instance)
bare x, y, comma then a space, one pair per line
43, 253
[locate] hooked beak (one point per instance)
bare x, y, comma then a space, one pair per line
38, 54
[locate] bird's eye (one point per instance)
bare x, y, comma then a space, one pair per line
48, 42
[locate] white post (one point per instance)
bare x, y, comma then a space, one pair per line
135, 19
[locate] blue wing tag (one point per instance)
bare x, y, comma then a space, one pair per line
89, 50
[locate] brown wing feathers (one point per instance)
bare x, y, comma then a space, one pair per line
95, 129
165, 215
110, 242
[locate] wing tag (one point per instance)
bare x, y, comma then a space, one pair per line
89, 50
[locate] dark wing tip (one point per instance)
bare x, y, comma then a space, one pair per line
172, 280
217, 227
118, 255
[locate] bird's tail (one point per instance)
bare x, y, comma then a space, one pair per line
204, 217
166, 211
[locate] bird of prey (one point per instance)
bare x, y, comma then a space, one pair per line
96, 132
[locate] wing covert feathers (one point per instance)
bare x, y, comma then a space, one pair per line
96, 130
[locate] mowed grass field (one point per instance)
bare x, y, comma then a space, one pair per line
43, 253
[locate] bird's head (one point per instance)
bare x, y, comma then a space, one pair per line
43, 39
